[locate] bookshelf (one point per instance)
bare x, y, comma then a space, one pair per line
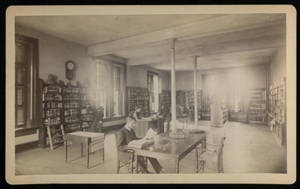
190, 101
138, 96
71, 108
51, 131
86, 114
277, 108
257, 105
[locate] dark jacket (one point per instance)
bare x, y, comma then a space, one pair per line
166, 113
124, 136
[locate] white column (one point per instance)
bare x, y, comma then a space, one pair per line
195, 92
173, 86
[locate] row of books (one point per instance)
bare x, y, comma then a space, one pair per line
52, 89
51, 97
51, 113
49, 105
71, 112
52, 121
71, 105
71, 97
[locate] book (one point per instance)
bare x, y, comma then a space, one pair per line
140, 143
150, 134
192, 131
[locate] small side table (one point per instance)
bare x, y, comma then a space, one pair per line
87, 138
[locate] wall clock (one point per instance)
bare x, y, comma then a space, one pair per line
70, 67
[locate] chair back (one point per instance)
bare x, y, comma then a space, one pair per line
220, 155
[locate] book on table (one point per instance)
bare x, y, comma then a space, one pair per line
142, 143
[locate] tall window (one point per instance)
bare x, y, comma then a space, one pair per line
153, 87
101, 95
118, 90
26, 74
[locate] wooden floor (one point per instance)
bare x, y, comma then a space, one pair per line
249, 148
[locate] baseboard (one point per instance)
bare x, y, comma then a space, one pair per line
26, 146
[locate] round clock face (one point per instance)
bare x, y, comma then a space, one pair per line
70, 65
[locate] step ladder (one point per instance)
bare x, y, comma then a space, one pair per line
56, 135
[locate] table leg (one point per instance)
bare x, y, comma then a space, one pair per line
103, 154
135, 163
66, 149
81, 149
196, 155
87, 154
176, 165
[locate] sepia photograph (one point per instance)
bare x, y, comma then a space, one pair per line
119, 94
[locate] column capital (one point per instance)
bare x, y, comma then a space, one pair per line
172, 43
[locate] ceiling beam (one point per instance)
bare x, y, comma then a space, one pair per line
222, 48
211, 26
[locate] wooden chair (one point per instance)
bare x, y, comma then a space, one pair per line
202, 156
130, 163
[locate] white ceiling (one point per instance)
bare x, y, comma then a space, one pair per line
219, 41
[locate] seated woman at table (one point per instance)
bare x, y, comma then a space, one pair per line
124, 136
136, 114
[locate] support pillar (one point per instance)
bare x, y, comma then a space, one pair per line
173, 87
195, 92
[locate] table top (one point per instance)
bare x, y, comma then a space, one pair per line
166, 146
85, 135
148, 119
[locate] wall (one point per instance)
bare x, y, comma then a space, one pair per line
254, 76
54, 52
277, 68
137, 77
185, 80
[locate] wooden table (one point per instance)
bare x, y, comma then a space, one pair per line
89, 139
166, 148
142, 125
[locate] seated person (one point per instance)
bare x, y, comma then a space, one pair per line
124, 136
136, 114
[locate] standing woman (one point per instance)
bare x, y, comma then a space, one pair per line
136, 114
166, 114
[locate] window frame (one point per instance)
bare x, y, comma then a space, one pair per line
148, 87
31, 114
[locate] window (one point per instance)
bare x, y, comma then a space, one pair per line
118, 91
26, 74
153, 87
101, 95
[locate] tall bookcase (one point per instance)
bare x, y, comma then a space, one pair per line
190, 101
86, 112
277, 109
51, 131
138, 96
62, 111
257, 105
71, 108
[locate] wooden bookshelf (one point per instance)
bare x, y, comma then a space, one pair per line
138, 96
51, 112
257, 105
277, 109
190, 101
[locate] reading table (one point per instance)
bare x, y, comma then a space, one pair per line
89, 139
165, 147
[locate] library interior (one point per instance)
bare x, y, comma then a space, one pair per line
125, 94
